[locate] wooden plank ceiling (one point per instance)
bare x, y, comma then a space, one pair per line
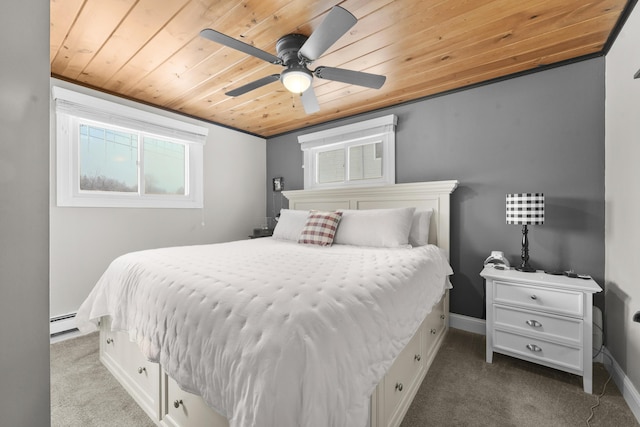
151, 51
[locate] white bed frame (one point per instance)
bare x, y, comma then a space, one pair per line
168, 406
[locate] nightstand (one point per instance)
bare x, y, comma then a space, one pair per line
542, 318
261, 232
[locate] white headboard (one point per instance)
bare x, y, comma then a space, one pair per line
428, 195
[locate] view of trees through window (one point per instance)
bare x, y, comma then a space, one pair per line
110, 161
164, 167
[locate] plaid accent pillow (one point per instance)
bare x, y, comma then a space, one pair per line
320, 228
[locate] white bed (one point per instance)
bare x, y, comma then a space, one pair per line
271, 342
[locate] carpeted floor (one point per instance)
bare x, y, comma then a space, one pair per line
83, 392
459, 390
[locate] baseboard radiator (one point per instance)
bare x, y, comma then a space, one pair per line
62, 324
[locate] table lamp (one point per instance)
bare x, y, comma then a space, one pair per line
526, 209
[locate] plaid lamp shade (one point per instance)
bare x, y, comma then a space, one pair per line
525, 208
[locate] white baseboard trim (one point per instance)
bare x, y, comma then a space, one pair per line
628, 390
467, 323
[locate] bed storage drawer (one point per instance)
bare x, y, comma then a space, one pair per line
144, 376
136, 374
111, 346
403, 377
435, 326
184, 409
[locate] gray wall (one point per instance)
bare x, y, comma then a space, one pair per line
542, 132
24, 214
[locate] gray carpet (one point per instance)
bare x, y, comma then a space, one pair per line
459, 390
83, 392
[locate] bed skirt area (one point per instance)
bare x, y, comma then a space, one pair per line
169, 406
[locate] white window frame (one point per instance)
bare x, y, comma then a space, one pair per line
73, 109
381, 129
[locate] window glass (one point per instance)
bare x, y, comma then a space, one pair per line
331, 166
164, 167
365, 161
108, 160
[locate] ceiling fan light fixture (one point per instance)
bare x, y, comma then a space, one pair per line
296, 80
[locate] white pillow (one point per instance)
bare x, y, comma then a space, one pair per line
383, 228
290, 224
419, 234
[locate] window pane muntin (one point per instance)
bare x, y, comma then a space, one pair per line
108, 159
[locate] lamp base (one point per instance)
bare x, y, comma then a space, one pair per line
524, 265
526, 268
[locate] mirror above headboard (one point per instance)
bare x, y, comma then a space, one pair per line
421, 195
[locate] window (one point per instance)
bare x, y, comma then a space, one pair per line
353, 155
109, 155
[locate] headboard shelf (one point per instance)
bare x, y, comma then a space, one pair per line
421, 195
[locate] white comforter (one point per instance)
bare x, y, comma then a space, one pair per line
272, 333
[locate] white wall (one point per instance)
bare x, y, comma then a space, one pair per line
24, 214
85, 240
622, 198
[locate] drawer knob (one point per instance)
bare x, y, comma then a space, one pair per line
142, 369
177, 403
417, 357
109, 340
442, 316
534, 296
534, 323
433, 331
533, 347
399, 386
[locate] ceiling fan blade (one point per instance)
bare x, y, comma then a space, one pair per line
334, 26
225, 40
253, 85
309, 101
373, 81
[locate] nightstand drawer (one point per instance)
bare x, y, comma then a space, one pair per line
549, 326
544, 351
539, 298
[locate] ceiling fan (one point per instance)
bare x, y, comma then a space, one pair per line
296, 52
